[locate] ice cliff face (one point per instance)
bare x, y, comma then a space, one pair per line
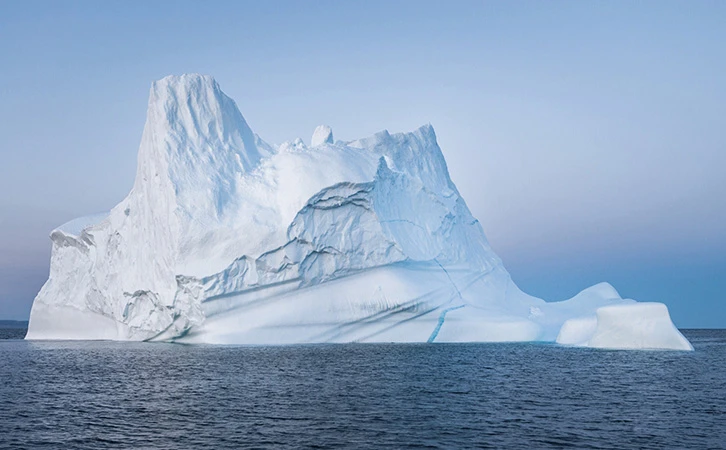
227, 239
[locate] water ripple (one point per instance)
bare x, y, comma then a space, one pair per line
99, 395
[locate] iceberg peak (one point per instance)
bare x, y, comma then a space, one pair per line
189, 81
323, 134
190, 114
195, 145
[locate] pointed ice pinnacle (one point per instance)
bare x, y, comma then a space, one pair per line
323, 134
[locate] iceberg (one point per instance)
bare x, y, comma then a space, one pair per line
227, 239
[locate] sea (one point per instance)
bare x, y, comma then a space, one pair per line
108, 395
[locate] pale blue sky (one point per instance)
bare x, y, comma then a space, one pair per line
588, 137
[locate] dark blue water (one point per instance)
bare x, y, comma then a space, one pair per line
136, 395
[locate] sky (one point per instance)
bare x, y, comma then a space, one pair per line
589, 138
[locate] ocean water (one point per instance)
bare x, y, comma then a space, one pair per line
98, 395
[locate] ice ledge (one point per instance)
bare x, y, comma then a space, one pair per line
76, 226
632, 326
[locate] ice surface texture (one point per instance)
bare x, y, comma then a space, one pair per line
227, 239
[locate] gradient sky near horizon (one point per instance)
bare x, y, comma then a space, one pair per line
589, 138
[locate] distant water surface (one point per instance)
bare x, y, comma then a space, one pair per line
98, 395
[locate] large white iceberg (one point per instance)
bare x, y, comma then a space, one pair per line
227, 239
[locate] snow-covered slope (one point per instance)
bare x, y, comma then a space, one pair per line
227, 239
